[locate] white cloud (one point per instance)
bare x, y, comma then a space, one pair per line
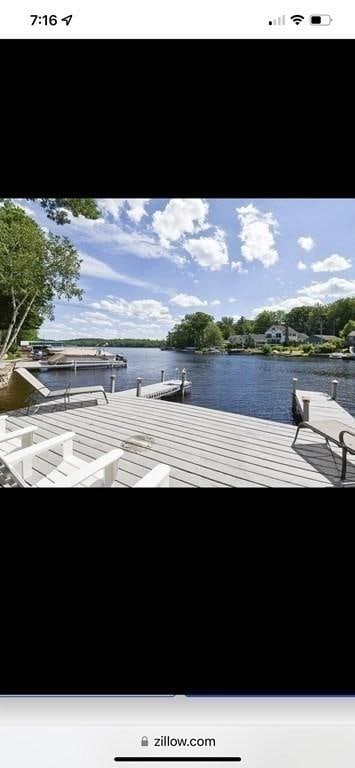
237, 266
232, 301
95, 268
137, 208
257, 235
301, 265
181, 216
332, 289
136, 243
143, 309
307, 243
184, 300
286, 304
215, 303
196, 281
111, 206
95, 316
210, 252
334, 263
114, 207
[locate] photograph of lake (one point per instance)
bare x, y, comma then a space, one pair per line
179, 342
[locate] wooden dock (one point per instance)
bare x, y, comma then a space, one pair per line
73, 365
321, 406
158, 391
203, 447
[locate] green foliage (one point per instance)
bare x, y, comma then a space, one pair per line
266, 349
212, 336
58, 208
249, 342
348, 327
35, 268
243, 326
264, 319
112, 342
327, 347
226, 325
307, 348
190, 331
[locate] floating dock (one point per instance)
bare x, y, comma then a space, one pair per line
159, 391
73, 365
317, 406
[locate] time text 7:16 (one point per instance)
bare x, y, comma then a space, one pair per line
49, 20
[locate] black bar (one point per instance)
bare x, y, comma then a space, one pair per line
177, 759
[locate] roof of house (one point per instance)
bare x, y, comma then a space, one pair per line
241, 336
352, 333
282, 329
323, 336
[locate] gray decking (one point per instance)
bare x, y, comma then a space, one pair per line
321, 406
203, 447
157, 391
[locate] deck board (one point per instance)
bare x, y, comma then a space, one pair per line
204, 447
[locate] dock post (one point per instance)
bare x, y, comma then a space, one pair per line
162, 375
182, 385
334, 389
75, 367
139, 386
305, 401
294, 386
113, 382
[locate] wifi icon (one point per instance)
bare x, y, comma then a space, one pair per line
297, 18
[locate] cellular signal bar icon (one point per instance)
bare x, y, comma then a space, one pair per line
280, 21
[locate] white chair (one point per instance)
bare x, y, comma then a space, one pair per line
156, 478
15, 439
55, 394
70, 472
74, 472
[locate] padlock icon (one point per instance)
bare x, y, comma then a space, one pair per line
144, 741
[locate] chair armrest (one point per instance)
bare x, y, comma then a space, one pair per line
156, 478
17, 433
39, 448
108, 462
25, 455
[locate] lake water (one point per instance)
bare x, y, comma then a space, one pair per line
254, 385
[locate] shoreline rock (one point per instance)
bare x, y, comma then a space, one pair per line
5, 374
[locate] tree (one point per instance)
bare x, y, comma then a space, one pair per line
57, 208
263, 321
339, 312
348, 327
243, 326
226, 325
34, 269
300, 318
213, 336
249, 342
190, 331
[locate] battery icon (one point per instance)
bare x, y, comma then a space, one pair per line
321, 20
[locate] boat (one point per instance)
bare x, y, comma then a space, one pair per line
344, 355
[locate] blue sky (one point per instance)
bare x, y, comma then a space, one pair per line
146, 263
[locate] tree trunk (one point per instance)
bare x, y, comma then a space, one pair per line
19, 326
8, 334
